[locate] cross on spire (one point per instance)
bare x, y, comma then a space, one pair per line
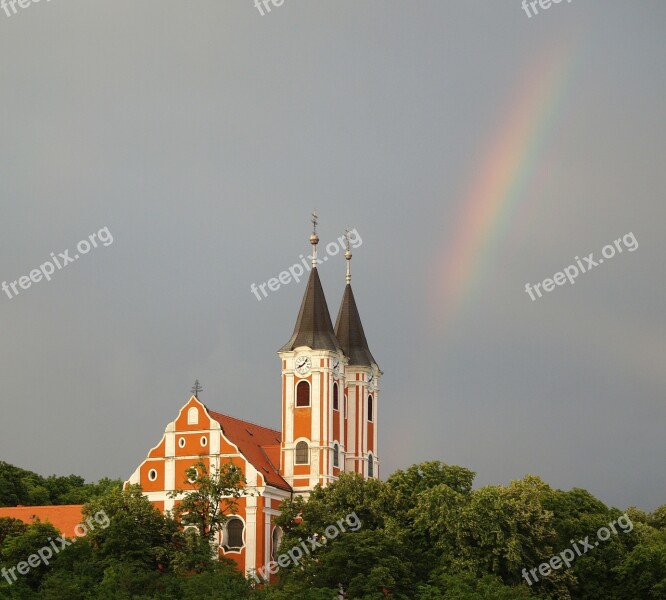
196, 388
315, 222
314, 238
348, 256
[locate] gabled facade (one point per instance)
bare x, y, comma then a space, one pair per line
330, 402
198, 434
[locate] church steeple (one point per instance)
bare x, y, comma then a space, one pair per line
348, 326
330, 391
314, 327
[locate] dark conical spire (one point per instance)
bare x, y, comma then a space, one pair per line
348, 326
350, 334
313, 325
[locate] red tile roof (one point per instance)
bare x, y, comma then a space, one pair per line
64, 518
257, 444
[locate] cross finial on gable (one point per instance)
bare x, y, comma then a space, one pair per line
196, 388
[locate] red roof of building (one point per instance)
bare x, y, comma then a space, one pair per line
257, 444
64, 518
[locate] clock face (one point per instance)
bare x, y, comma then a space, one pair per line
303, 365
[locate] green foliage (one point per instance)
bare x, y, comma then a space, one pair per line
18, 486
658, 518
137, 532
214, 495
223, 583
643, 572
406, 486
17, 547
424, 534
468, 587
295, 592
10, 527
351, 493
495, 530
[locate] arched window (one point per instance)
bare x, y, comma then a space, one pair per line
370, 408
302, 453
303, 394
371, 466
193, 416
277, 538
346, 405
336, 402
336, 454
233, 534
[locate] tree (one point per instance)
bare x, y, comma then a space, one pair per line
137, 532
404, 490
643, 572
406, 485
214, 494
18, 547
350, 493
18, 486
222, 583
10, 527
658, 518
364, 558
578, 515
445, 586
494, 530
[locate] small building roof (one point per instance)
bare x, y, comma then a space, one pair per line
64, 518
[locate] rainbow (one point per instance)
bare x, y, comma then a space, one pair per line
499, 186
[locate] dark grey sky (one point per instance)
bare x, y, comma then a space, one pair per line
202, 134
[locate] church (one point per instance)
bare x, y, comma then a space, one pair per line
330, 393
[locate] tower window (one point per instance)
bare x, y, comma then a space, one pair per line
277, 538
336, 402
346, 405
336, 455
371, 466
302, 453
193, 416
233, 534
370, 415
303, 394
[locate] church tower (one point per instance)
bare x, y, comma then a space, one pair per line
361, 387
329, 390
312, 361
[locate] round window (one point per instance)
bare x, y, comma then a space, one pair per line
181, 442
204, 440
152, 475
